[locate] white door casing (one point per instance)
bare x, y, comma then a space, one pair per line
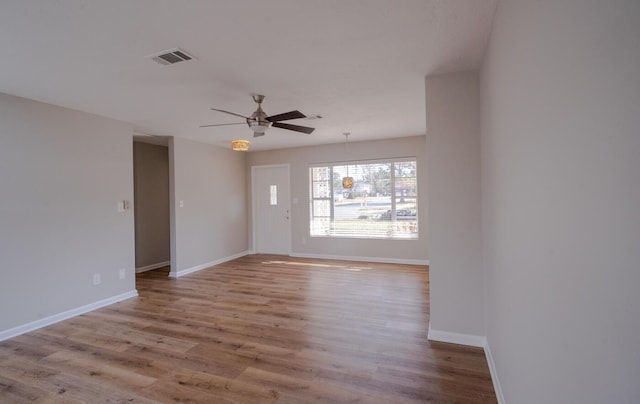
271, 209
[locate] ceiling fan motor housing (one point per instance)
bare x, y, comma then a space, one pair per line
258, 120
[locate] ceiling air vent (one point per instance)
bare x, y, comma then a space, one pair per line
171, 56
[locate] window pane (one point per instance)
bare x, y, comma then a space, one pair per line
406, 198
321, 208
320, 226
273, 190
320, 173
321, 189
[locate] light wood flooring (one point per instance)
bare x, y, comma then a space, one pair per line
259, 329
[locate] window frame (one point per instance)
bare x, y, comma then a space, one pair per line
331, 198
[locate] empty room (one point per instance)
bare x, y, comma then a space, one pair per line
284, 201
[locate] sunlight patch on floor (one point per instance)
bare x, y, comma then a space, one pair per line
310, 264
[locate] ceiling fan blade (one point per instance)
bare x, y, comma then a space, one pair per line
297, 128
230, 113
286, 116
222, 124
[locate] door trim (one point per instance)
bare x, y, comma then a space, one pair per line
254, 169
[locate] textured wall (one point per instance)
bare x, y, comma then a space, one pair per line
561, 197
453, 155
212, 222
62, 174
151, 188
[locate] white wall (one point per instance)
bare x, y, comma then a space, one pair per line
62, 173
300, 159
561, 200
151, 192
211, 226
455, 242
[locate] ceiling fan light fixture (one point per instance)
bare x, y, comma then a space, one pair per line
240, 145
259, 127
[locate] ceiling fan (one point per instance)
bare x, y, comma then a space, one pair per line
259, 122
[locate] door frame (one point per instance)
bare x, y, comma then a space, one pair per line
254, 237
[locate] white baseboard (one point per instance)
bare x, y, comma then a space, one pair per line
362, 259
494, 374
174, 274
471, 340
152, 266
457, 338
43, 322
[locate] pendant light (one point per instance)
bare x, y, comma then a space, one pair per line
347, 182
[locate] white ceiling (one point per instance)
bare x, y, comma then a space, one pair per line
360, 64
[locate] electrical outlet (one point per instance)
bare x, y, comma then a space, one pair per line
121, 273
96, 279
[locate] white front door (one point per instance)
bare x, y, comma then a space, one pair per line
271, 215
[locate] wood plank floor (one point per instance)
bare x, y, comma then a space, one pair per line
259, 329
